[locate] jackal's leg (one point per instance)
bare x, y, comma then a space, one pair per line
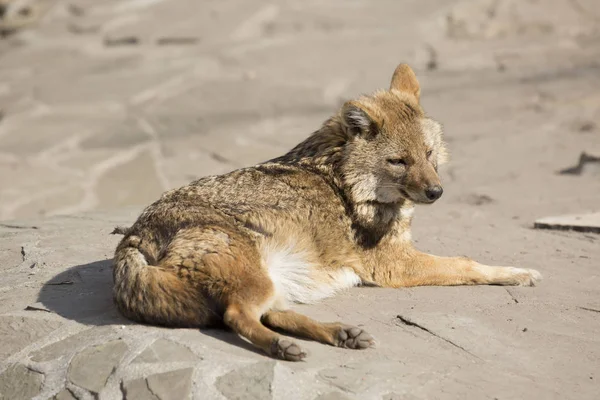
246, 303
245, 323
225, 265
427, 270
335, 334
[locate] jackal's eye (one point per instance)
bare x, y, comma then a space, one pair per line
429, 153
396, 161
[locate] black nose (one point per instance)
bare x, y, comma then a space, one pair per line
434, 192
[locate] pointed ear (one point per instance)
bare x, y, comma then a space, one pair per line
357, 121
405, 80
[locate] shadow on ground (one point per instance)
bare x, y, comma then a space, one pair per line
84, 294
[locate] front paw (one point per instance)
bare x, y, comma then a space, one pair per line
520, 276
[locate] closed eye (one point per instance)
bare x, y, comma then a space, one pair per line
429, 153
396, 161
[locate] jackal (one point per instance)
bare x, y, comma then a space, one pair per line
334, 212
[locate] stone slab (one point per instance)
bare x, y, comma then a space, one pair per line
69, 345
576, 222
172, 385
137, 389
64, 394
19, 332
91, 368
20, 382
234, 384
165, 351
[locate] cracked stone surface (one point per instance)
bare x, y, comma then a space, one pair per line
64, 394
173, 385
333, 396
120, 111
234, 385
69, 346
17, 333
138, 389
165, 351
104, 105
20, 382
92, 367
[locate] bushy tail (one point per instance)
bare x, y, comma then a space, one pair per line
155, 294
120, 230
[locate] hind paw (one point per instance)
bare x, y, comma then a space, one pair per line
352, 337
285, 349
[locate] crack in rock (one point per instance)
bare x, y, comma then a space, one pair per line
11, 226
91, 368
173, 385
512, 296
589, 309
406, 321
20, 382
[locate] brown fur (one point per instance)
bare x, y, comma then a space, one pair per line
332, 213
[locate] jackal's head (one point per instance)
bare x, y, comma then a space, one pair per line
393, 150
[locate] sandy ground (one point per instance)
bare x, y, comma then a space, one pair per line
106, 105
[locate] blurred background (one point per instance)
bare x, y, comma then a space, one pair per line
108, 103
